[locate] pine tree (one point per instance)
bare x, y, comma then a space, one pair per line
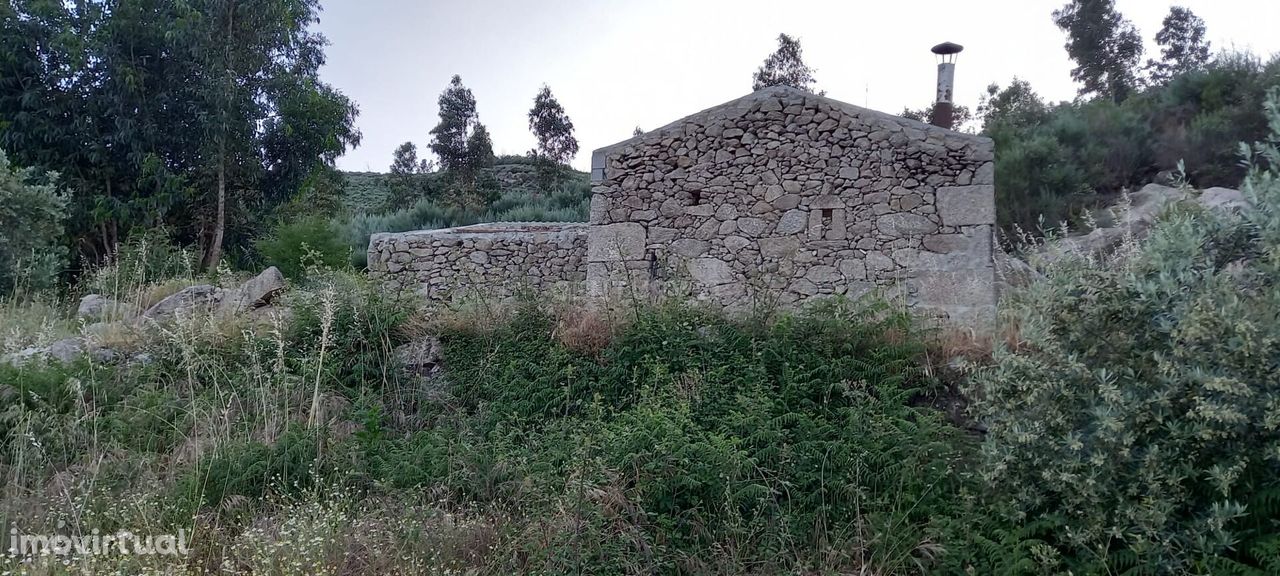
785, 67
1105, 46
1183, 47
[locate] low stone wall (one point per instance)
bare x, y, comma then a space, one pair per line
493, 260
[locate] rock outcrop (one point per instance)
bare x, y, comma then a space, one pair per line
250, 300
1136, 219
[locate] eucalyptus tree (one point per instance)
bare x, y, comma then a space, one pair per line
1105, 46
202, 115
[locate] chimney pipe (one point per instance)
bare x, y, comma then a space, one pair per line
943, 108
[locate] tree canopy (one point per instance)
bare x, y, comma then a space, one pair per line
1183, 47
784, 67
552, 128
1104, 45
202, 115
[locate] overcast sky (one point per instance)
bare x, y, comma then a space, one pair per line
615, 64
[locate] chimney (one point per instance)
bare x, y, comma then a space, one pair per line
942, 108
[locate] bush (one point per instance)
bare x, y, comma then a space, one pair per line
1136, 423
32, 215
1054, 162
295, 246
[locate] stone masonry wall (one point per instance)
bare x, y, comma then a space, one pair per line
786, 196
495, 260
778, 197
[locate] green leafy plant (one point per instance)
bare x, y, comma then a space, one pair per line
32, 253
1137, 411
297, 245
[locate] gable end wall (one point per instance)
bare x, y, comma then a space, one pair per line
783, 196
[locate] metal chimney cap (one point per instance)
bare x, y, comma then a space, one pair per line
946, 48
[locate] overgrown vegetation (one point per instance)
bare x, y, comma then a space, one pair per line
1054, 161
32, 217
1128, 424
671, 440
203, 116
1134, 422
570, 201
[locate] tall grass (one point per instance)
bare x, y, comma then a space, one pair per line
564, 441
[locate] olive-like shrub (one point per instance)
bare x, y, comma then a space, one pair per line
1134, 421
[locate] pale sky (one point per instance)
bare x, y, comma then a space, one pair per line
615, 65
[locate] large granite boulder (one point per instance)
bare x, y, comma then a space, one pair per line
98, 307
256, 292
1136, 219
201, 297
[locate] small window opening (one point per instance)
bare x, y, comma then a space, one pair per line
826, 217
696, 196
653, 265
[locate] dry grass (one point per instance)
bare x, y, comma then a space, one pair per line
585, 330
33, 322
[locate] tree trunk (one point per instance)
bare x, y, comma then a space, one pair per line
214, 253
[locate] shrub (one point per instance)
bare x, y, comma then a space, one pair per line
297, 245
1053, 162
32, 215
1136, 421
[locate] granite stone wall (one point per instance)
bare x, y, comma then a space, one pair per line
776, 198
496, 260
783, 196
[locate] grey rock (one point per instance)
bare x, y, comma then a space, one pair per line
421, 357
255, 292
779, 248
905, 224
710, 271
98, 307
753, 227
621, 241
1223, 199
192, 299
967, 205
793, 222
689, 247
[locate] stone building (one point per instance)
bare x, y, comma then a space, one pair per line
778, 197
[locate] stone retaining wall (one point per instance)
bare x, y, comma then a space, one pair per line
495, 260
